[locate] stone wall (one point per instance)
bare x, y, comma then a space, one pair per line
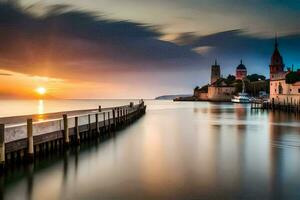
201, 96
220, 93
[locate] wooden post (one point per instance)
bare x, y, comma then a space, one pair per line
121, 115
114, 117
66, 130
99, 109
89, 120
30, 149
2, 146
77, 131
97, 123
104, 123
108, 121
118, 115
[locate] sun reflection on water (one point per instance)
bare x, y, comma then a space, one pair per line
41, 110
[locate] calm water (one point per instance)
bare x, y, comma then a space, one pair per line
181, 150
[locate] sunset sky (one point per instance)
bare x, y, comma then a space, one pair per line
137, 48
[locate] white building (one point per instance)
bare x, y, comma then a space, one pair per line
280, 91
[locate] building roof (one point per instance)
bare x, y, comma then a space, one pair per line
241, 66
276, 58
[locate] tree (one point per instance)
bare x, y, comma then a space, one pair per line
255, 77
230, 79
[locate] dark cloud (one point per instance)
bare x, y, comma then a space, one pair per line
231, 46
79, 41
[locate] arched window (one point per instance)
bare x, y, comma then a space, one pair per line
280, 88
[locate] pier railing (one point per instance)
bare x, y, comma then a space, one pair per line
24, 141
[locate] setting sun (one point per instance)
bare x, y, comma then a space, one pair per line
41, 90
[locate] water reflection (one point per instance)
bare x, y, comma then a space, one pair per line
190, 150
41, 110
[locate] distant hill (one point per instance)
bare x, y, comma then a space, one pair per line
171, 97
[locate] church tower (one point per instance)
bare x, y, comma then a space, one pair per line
276, 65
241, 71
215, 73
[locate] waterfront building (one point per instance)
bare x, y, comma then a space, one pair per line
217, 90
241, 71
220, 91
284, 84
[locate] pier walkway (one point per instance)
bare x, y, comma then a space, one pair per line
26, 137
266, 105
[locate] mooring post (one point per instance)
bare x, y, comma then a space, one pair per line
89, 120
108, 116
118, 115
114, 117
121, 115
30, 149
66, 130
2, 146
104, 123
77, 131
99, 109
97, 123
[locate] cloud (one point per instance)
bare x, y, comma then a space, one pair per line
231, 46
67, 42
5, 74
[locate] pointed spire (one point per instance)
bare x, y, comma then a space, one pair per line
216, 62
241, 61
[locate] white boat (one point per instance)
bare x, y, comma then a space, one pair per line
241, 97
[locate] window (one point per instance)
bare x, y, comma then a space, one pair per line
280, 88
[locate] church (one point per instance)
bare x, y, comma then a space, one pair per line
284, 84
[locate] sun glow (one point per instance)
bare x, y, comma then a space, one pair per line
41, 90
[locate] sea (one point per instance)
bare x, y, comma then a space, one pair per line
177, 150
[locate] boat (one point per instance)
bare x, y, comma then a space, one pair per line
242, 97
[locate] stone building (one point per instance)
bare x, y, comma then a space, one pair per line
220, 91
284, 85
215, 72
217, 90
241, 71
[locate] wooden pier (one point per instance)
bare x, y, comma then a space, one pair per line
285, 107
26, 141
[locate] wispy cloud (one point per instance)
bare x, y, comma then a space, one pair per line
5, 74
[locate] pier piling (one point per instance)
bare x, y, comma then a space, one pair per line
77, 131
2, 147
30, 149
39, 139
66, 130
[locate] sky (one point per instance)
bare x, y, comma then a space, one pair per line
137, 48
